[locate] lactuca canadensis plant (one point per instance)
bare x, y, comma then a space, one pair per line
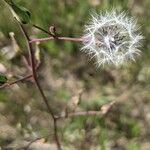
112, 38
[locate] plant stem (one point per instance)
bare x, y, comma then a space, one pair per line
105, 109
32, 61
16, 81
36, 26
52, 38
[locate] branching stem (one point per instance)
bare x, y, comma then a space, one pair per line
100, 113
33, 66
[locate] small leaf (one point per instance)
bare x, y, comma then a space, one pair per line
19, 12
3, 79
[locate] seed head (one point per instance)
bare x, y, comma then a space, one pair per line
112, 38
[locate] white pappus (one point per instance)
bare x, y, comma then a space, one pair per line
112, 38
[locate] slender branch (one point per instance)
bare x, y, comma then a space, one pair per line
33, 141
58, 38
30, 143
104, 110
39, 28
32, 61
101, 113
16, 81
81, 113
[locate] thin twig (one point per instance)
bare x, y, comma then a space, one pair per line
29, 144
32, 61
58, 38
82, 113
39, 28
16, 81
104, 110
33, 141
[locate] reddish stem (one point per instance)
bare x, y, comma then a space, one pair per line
58, 38
16, 81
33, 66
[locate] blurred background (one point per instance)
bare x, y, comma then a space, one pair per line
64, 72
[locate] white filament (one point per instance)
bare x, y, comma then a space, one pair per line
111, 38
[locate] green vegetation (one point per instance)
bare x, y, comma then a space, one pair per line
65, 70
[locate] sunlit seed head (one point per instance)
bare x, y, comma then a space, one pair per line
112, 38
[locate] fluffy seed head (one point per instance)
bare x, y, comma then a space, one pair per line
112, 38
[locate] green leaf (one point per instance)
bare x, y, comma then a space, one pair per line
19, 12
3, 79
